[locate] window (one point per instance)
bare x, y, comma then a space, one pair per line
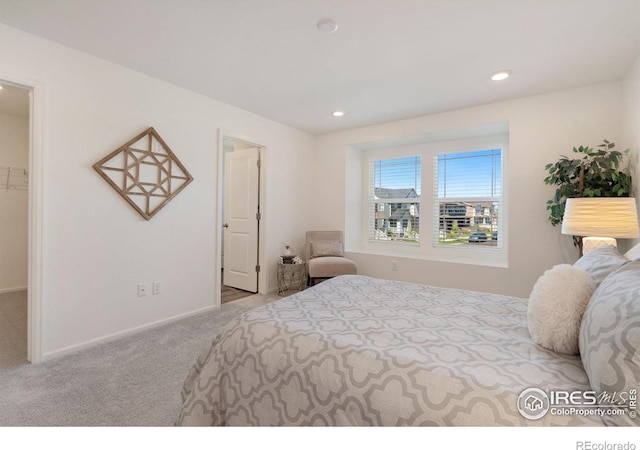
394, 199
441, 200
467, 195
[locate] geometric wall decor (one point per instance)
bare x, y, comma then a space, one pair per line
145, 172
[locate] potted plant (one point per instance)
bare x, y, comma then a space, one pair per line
592, 173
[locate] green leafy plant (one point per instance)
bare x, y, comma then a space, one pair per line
592, 173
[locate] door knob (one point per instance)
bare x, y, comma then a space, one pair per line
226, 225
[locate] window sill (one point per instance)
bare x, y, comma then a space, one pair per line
489, 257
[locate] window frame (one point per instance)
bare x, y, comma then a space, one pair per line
429, 217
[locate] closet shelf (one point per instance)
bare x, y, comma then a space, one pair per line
14, 178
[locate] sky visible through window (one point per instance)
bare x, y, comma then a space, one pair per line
460, 175
401, 173
470, 174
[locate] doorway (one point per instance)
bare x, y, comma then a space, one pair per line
14, 223
36, 94
240, 219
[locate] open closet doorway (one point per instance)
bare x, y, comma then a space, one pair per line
240, 219
14, 223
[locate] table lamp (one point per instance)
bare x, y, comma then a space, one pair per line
599, 220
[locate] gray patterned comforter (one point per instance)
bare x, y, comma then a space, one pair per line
356, 350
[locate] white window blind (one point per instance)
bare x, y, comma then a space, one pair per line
394, 199
468, 198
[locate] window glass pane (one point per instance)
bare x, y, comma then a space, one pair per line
469, 223
396, 178
467, 201
395, 189
470, 174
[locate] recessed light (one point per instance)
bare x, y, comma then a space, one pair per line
327, 26
0, 87
501, 75
338, 113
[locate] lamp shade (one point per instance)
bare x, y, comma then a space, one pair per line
614, 217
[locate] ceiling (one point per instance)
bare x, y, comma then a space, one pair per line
389, 59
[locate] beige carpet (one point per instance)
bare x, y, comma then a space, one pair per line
13, 328
134, 381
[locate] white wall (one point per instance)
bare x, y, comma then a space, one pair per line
631, 125
14, 152
541, 128
96, 247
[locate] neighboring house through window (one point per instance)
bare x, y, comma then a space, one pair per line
467, 192
442, 200
394, 190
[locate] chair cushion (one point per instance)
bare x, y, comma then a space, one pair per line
326, 248
330, 266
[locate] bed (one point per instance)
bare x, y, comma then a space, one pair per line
356, 350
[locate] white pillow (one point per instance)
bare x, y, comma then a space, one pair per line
634, 253
601, 261
610, 337
556, 305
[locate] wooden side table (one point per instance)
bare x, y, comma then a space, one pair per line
291, 277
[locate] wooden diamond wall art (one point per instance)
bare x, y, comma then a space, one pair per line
145, 172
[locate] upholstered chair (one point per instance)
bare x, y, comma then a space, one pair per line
325, 256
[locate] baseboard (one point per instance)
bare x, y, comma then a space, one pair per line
122, 334
13, 289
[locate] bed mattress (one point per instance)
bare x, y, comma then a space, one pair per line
356, 350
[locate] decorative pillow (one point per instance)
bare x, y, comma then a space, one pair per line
610, 337
601, 261
556, 306
326, 248
633, 254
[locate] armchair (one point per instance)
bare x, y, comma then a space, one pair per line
325, 256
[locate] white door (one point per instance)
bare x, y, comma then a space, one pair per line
241, 193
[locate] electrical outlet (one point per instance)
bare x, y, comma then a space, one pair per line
156, 287
143, 288
394, 265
